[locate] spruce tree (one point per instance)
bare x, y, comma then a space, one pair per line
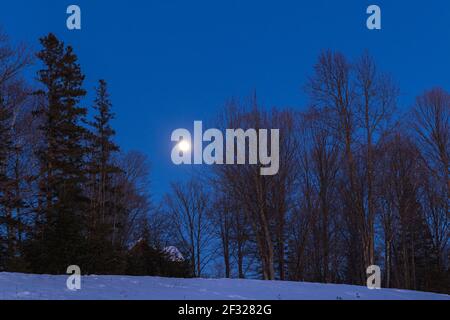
102, 170
59, 239
103, 148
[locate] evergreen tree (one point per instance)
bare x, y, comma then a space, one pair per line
101, 169
103, 148
59, 238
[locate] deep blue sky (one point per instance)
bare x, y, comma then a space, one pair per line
169, 63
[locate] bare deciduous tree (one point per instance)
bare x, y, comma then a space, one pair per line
432, 127
189, 211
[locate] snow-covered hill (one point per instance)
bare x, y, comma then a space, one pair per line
22, 286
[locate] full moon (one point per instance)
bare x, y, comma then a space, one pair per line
184, 146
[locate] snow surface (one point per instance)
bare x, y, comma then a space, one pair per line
14, 286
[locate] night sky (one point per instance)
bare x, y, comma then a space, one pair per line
169, 63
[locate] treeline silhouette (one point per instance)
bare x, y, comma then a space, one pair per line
360, 183
67, 195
